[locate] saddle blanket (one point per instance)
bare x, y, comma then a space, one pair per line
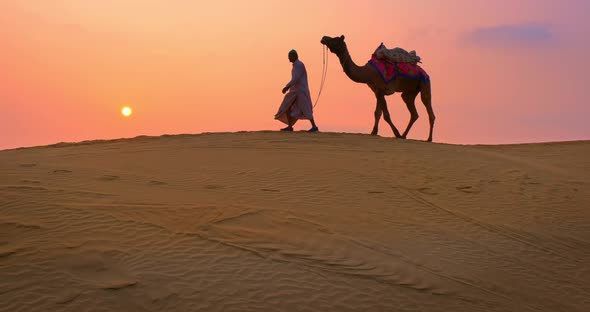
391, 70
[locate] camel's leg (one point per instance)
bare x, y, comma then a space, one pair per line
387, 118
378, 112
427, 100
410, 100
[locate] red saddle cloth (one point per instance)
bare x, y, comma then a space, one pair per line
390, 71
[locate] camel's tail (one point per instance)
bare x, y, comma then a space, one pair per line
425, 92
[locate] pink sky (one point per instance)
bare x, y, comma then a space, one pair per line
502, 71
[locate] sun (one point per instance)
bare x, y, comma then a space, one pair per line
126, 111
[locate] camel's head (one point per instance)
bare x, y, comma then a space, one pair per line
336, 44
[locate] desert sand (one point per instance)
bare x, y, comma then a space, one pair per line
271, 221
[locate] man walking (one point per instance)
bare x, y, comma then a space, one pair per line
297, 102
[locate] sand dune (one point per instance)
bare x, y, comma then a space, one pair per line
269, 221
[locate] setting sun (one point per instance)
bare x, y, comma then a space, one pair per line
126, 111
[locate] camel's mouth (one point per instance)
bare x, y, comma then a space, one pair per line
324, 40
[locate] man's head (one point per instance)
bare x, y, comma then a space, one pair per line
293, 56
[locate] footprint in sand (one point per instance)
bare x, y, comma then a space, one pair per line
375, 192
117, 284
467, 189
109, 178
213, 187
27, 165
426, 190
61, 171
269, 190
154, 182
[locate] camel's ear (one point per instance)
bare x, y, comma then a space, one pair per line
342, 37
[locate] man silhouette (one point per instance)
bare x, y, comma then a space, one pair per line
297, 102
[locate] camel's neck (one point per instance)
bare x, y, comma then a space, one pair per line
353, 71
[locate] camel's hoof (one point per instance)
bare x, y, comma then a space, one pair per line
373, 133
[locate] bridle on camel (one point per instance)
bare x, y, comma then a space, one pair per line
325, 53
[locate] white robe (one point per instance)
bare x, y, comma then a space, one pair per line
297, 102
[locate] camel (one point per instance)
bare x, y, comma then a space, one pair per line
367, 74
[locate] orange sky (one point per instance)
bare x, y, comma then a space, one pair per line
502, 71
